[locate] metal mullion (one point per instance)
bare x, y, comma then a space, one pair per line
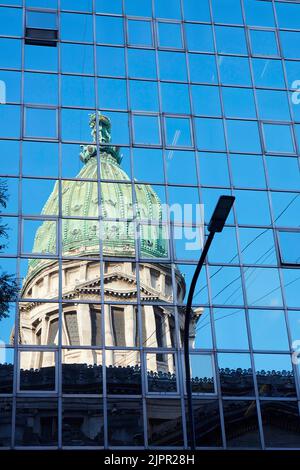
101, 262
280, 269
19, 247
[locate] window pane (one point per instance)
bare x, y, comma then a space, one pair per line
263, 42
141, 63
109, 30
40, 88
275, 412
231, 40
278, 138
235, 367
110, 61
243, 136
289, 243
169, 35
202, 68
175, 98
263, 287
11, 22
139, 33
196, 11
241, 414
230, 327
76, 27
206, 100
41, 123
146, 129
238, 102
125, 423
274, 375
234, 70
268, 73
199, 37
172, 66
178, 132
268, 330
143, 95
210, 134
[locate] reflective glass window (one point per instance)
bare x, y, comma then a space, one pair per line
136, 7
234, 70
167, 10
268, 73
178, 132
274, 375
263, 287
146, 129
247, 171
110, 61
143, 95
263, 42
175, 98
278, 138
230, 327
243, 136
289, 247
210, 134
40, 88
141, 63
206, 100
238, 102
225, 11
259, 13
268, 330
231, 40
11, 22
41, 122
139, 33
196, 11
169, 35
288, 40
76, 27
235, 369
77, 58
172, 66
213, 169
109, 30
199, 37
202, 68
273, 105
237, 413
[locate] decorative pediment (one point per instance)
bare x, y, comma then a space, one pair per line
116, 284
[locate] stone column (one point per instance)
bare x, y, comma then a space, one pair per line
150, 340
130, 326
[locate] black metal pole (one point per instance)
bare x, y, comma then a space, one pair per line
187, 343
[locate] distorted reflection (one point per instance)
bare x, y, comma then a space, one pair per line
85, 321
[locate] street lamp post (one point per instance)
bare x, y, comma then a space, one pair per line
215, 225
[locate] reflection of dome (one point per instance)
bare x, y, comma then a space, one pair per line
80, 199
82, 319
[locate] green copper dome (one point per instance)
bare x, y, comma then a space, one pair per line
80, 198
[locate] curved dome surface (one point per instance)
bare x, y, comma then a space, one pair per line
84, 199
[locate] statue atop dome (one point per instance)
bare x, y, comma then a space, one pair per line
104, 126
